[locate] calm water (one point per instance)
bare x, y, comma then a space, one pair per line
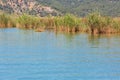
28, 55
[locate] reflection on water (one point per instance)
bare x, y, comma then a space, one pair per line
105, 40
29, 55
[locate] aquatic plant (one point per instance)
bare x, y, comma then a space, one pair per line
28, 22
69, 23
94, 23
6, 21
99, 24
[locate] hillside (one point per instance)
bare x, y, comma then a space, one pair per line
77, 7
83, 7
26, 6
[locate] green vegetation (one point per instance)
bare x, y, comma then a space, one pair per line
103, 24
94, 23
84, 7
6, 21
27, 22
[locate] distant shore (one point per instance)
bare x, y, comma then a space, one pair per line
94, 23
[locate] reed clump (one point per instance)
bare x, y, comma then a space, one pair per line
69, 23
116, 24
100, 24
6, 21
28, 22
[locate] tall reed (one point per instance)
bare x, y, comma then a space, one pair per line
100, 24
94, 23
28, 22
6, 21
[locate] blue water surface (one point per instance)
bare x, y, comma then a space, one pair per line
29, 55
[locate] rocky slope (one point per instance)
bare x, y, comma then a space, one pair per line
26, 6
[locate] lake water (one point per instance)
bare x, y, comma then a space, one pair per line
29, 55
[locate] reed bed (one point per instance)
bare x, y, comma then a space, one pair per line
93, 23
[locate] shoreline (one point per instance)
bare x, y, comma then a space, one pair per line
94, 23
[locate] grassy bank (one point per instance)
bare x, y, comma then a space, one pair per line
93, 23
